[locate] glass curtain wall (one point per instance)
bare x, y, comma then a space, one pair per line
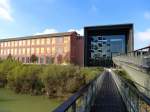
102, 48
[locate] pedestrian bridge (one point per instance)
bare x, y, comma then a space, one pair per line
109, 92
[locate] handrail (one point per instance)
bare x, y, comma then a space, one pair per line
134, 99
65, 105
142, 95
139, 58
84, 92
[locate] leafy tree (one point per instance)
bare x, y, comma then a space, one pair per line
59, 59
53, 59
33, 58
9, 57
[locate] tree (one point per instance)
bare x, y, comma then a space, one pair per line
66, 58
33, 58
59, 59
9, 57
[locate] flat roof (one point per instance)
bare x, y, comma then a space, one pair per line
39, 36
117, 26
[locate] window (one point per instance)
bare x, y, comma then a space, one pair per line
12, 43
19, 51
104, 38
48, 60
99, 50
32, 50
108, 50
59, 40
28, 50
100, 45
16, 43
108, 44
53, 50
53, 40
15, 51
20, 43
59, 50
27, 59
23, 59
8, 44
48, 41
38, 41
32, 41
37, 50
2, 44
5, 44
28, 42
66, 40
24, 42
42, 41
42, 50
41, 60
99, 38
48, 50
12, 51
2, 51
23, 51
104, 42
66, 49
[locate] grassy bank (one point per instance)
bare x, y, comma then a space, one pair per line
37, 88
12, 102
124, 75
50, 80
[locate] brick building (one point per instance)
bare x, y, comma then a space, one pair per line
55, 48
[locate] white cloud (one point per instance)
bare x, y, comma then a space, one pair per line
147, 15
5, 10
143, 36
79, 31
47, 31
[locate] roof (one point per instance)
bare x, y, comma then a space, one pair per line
126, 25
39, 36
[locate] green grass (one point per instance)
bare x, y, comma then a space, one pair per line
11, 102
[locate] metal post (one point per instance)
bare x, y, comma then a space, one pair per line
74, 107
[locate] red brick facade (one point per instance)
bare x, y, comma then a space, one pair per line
49, 48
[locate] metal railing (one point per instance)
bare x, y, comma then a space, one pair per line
82, 100
139, 58
135, 100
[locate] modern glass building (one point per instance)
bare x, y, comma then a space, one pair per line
103, 42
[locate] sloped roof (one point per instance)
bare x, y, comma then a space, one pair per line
39, 36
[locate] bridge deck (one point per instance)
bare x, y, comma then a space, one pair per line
109, 99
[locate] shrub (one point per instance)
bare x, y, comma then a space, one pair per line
25, 79
53, 80
90, 73
60, 79
33, 58
5, 67
124, 75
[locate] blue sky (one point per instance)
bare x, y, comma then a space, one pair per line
30, 17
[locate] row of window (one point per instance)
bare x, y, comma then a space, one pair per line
40, 60
41, 41
29, 51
